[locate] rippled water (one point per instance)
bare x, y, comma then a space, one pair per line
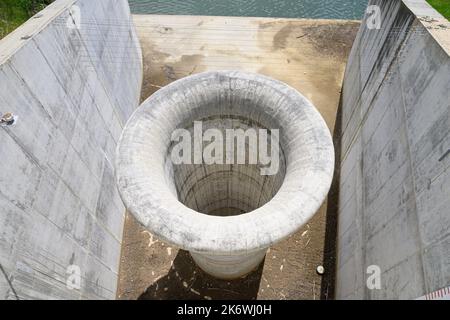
325, 9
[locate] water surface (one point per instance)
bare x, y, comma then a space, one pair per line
315, 9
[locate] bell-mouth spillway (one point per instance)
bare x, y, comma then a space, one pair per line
226, 215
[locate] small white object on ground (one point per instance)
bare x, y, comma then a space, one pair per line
320, 270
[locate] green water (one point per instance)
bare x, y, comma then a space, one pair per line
316, 9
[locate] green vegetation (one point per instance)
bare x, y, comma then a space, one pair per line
443, 6
15, 12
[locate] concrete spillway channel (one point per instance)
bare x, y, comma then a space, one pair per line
70, 79
224, 212
72, 100
308, 55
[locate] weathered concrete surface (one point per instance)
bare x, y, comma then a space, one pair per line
394, 207
72, 90
308, 55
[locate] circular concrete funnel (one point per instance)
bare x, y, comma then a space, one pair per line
225, 213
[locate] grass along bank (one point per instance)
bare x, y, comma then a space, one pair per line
14, 13
443, 6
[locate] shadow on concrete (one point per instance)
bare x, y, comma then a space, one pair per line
329, 255
186, 281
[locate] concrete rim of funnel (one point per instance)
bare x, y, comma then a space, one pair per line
141, 173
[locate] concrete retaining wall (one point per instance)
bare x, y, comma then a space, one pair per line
394, 204
72, 74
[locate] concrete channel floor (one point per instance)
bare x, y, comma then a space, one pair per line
309, 55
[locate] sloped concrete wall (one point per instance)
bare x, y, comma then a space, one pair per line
394, 204
72, 75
